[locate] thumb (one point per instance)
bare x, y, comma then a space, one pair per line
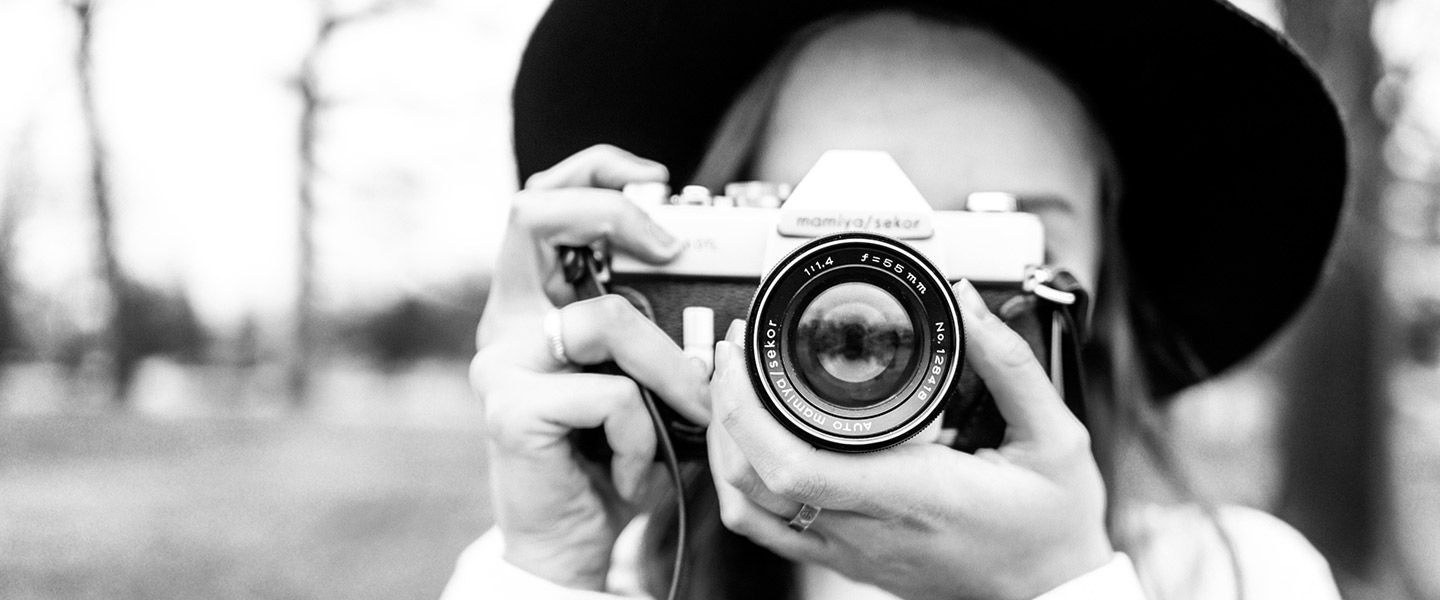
1032, 409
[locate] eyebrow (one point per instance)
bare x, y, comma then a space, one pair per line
1044, 202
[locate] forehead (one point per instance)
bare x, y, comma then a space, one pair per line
960, 108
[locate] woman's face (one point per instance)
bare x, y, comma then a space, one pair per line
961, 110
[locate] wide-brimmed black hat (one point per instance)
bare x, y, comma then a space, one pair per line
1230, 151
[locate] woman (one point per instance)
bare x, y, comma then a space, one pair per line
1172, 144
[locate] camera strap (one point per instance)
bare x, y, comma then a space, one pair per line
583, 269
1066, 307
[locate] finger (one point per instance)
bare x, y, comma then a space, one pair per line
601, 165
785, 464
609, 328
542, 221
880, 484
1032, 409
745, 517
545, 215
533, 413
631, 435
581, 216
728, 463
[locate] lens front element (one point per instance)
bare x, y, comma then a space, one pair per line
855, 345
854, 342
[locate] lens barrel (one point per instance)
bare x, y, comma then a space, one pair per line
854, 342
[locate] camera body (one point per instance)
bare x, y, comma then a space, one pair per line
854, 338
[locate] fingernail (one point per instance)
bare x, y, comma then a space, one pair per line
735, 334
722, 356
969, 298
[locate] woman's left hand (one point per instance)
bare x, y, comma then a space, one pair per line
922, 520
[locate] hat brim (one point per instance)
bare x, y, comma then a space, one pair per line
1231, 152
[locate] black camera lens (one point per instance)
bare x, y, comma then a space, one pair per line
854, 342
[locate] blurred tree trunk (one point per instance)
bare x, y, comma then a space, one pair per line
313, 106
9, 333
310, 106
1333, 446
117, 338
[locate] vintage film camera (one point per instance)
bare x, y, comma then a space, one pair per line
854, 338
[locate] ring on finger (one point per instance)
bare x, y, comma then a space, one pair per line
803, 518
554, 325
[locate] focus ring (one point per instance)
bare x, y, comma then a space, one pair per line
790, 385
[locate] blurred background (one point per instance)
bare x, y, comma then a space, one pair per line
244, 245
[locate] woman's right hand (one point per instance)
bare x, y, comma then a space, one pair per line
560, 516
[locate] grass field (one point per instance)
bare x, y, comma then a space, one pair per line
120, 507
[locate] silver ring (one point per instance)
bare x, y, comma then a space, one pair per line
555, 333
802, 519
